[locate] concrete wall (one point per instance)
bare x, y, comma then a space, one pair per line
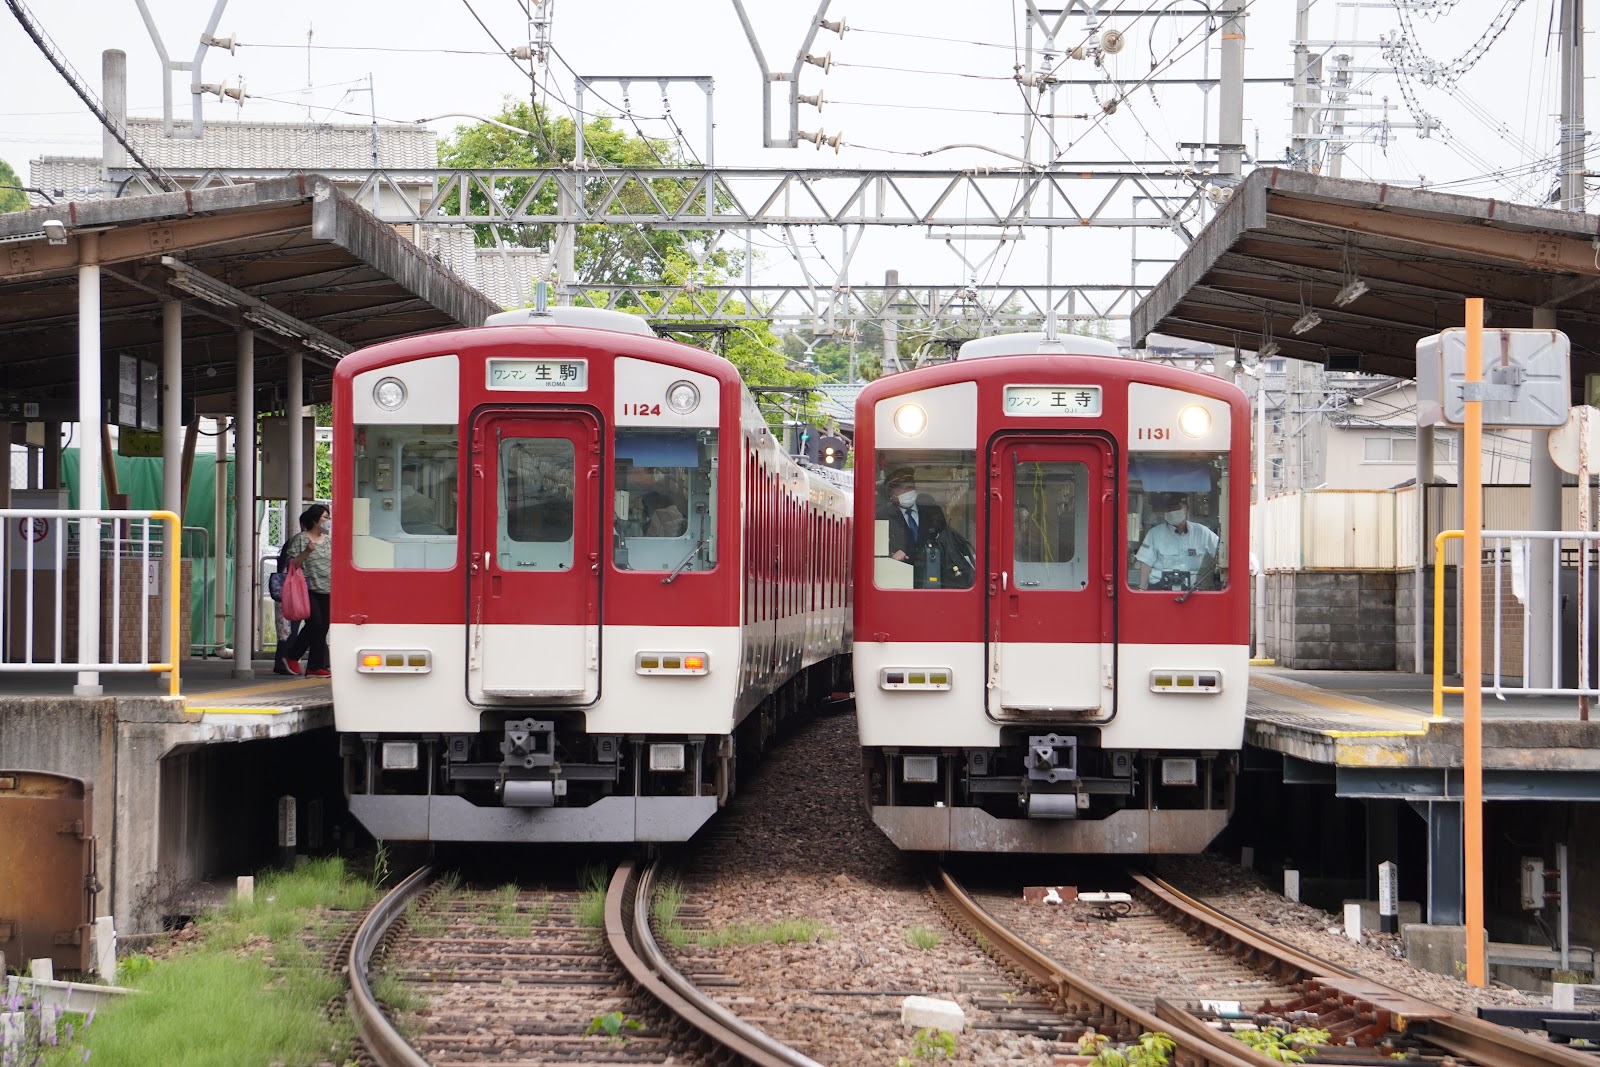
1331, 620
1405, 622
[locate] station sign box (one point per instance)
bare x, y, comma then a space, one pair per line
1526, 378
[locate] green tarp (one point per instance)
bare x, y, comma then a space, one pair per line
140, 480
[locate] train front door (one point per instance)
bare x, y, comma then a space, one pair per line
534, 564
1052, 579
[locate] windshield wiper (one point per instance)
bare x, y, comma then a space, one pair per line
686, 560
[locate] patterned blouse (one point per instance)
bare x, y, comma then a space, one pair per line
319, 565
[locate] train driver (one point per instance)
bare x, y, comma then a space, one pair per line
1175, 551
915, 521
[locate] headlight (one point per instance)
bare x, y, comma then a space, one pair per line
910, 420
683, 397
1194, 420
389, 394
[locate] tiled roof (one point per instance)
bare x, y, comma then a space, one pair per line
64, 178
239, 146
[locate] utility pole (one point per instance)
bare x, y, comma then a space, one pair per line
1338, 100
1307, 77
1230, 126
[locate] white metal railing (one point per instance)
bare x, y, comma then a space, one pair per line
1515, 549
34, 560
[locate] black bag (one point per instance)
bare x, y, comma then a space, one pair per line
952, 563
275, 579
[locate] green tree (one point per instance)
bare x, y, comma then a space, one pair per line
608, 254
11, 199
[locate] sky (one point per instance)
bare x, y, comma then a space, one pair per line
906, 79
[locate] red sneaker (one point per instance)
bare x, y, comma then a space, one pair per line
294, 667
320, 674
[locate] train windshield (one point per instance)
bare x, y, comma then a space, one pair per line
404, 512
666, 499
1177, 520
926, 518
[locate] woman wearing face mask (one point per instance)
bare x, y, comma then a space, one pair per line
1175, 550
312, 548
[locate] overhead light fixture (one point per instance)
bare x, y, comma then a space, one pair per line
1354, 290
1306, 323
272, 320
1268, 350
55, 231
186, 279
326, 347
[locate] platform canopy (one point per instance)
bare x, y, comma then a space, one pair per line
291, 258
1364, 270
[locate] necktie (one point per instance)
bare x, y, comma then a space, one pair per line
911, 523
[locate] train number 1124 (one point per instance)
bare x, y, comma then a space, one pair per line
641, 409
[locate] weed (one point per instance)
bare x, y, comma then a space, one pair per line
505, 906
929, 1044
539, 911
664, 910
592, 899
1284, 1047
1150, 1050
131, 968
782, 932
380, 863
611, 1024
31, 1029
922, 937
395, 994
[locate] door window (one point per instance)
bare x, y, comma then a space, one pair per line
1050, 525
535, 498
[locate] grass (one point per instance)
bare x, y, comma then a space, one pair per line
922, 937
664, 910
781, 932
592, 899
505, 907
247, 992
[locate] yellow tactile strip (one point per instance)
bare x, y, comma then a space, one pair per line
263, 699
1417, 724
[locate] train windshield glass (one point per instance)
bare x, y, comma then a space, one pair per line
404, 511
1177, 520
926, 518
666, 500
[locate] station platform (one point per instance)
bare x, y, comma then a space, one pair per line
177, 793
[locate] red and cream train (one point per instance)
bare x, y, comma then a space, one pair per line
575, 575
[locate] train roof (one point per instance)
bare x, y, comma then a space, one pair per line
589, 318
1024, 344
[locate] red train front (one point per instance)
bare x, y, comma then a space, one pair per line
574, 575
1051, 605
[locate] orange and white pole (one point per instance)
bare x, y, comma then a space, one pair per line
1472, 646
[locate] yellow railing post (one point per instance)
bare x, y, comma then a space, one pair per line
174, 588
1439, 688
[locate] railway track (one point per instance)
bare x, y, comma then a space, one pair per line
545, 991
1217, 977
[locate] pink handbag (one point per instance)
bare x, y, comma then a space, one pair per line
296, 595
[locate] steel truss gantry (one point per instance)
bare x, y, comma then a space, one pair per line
730, 198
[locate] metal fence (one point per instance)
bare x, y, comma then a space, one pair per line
41, 547
1506, 558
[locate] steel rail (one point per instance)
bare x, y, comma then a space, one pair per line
379, 1035
1198, 1046
1463, 1036
628, 932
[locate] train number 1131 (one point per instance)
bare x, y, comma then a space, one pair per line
1155, 433
641, 409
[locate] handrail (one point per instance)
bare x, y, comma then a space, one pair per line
173, 525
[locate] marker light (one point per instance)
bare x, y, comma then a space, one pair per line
683, 397
910, 420
1194, 420
394, 661
671, 663
389, 394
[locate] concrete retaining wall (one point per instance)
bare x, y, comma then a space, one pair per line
1331, 620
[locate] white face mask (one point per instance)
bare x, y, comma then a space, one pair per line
1175, 517
908, 499
327, 525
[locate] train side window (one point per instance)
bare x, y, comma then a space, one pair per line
535, 504
665, 504
405, 511
942, 500
1177, 533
